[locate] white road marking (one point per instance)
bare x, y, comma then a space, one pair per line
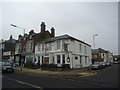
34, 86
71, 80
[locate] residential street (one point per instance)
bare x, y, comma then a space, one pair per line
105, 78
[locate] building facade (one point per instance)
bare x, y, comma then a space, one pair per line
25, 47
101, 55
8, 50
63, 50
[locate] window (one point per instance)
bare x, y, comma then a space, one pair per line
65, 46
58, 44
76, 57
63, 58
30, 46
53, 60
24, 38
58, 58
42, 47
85, 50
27, 46
50, 47
39, 49
30, 36
80, 47
85, 59
38, 57
80, 59
63, 42
42, 59
24, 47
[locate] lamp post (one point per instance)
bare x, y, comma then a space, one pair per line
94, 40
19, 27
23, 35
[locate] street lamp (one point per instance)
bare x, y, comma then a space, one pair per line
19, 27
94, 40
23, 35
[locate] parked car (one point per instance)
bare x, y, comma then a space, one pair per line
108, 64
116, 62
103, 64
7, 67
96, 65
119, 61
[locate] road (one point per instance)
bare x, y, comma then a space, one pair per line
105, 78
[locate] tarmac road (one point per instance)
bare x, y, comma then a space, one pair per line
106, 78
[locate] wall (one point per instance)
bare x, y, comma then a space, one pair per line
73, 51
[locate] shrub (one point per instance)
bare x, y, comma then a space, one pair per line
31, 65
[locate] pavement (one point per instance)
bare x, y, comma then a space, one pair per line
82, 72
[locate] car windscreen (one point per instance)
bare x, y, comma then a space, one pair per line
6, 64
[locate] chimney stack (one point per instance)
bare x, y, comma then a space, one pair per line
31, 32
43, 27
11, 37
52, 32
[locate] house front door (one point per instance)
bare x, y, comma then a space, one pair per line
46, 60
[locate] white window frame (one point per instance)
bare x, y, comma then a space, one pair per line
58, 44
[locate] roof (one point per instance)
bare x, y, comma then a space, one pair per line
99, 50
61, 37
9, 45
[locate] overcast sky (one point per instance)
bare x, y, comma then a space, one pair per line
80, 20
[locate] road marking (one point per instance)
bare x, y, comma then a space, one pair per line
34, 86
71, 80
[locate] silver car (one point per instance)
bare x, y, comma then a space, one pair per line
7, 67
96, 65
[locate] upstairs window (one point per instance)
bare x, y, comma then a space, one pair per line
63, 43
30, 36
58, 44
85, 50
80, 47
80, 59
24, 38
42, 47
39, 47
85, 59
31, 46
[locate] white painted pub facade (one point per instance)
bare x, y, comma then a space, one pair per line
63, 50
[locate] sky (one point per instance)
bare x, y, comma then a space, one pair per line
81, 20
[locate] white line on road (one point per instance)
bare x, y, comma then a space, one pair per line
34, 86
71, 80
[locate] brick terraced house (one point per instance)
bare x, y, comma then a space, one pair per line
25, 46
